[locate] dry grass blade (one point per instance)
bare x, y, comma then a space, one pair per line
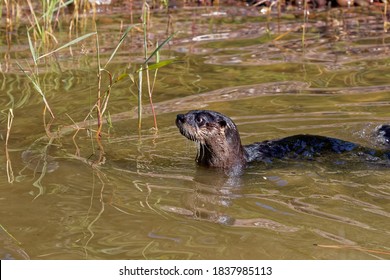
35, 17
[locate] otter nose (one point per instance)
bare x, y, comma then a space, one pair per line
180, 118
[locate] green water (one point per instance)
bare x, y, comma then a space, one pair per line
148, 200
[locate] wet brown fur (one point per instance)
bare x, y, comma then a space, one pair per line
218, 140
219, 144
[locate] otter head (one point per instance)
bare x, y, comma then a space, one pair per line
218, 140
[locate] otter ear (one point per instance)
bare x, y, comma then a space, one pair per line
222, 123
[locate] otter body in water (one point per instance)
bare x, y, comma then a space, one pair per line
219, 143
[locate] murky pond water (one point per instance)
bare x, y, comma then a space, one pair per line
149, 200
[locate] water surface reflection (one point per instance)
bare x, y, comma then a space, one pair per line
148, 200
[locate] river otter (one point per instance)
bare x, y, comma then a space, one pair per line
219, 143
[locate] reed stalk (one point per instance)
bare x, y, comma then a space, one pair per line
145, 14
98, 101
146, 22
44, 21
103, 97
146, 67
41, 29
305, 19
385, 21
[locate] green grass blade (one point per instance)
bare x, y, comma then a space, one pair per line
158, 65
159, 47
120, 43
63, 5
75, 41
121, 77
32, 50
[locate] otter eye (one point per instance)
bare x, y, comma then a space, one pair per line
222, 123
200, 121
